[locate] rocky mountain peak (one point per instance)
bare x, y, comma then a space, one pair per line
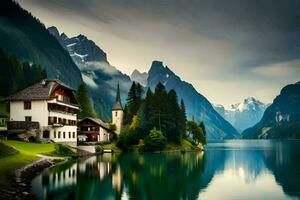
80, 47
139, 77
53, 30
197, 105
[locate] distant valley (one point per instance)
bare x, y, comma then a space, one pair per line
243, 115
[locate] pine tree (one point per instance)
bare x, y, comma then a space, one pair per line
84, 100
203, 127
134, 101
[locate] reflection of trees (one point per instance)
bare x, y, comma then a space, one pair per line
166, 176
142, 176
284, 162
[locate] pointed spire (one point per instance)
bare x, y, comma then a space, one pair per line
118, 98
118, 104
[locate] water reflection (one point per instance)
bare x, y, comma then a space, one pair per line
227, 170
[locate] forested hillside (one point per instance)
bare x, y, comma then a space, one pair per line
27, 38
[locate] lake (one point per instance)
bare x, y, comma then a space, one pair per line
233, 169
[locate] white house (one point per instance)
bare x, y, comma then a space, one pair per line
93, 130
49, 106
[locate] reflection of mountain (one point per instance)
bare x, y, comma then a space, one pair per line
284, 162
242, 159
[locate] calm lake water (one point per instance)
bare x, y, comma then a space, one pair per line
226, 170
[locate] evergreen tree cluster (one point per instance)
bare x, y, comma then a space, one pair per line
134, 101
83, 98
196, 132
156, 119
16, 75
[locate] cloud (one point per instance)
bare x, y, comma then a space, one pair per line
224, 45
278, 70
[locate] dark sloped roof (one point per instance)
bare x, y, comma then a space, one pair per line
97, 121
39, 91
117, 106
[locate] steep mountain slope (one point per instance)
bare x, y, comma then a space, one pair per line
196, 104
282, 118
100, 77
25, 37
243, 115
139, 77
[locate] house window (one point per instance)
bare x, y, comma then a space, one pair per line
69, 134
64, 134
27, 105
54, 134
116, 113
73, 134
46, 134
27, 118
58, 134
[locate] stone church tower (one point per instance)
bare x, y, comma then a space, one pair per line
117, 113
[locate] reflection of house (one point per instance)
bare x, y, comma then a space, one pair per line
94, 129
3, 120
48, 109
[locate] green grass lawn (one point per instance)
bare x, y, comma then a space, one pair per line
27, 154
113, 147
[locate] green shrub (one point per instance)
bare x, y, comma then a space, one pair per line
127, 138
155, 141
6, 150
98, 148
63, 150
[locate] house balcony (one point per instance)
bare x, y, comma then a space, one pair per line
57, 125
22, 126
55, 105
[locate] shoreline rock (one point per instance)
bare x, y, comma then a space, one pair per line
20, 187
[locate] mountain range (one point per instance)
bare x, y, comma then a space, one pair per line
77, 60
281, 119
139, 77
97, 73
197, 105
101, 78
243, 115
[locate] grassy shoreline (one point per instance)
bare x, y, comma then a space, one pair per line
170, 147
25, 154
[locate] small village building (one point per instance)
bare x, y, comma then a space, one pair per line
118, 113
47, 110
93, 130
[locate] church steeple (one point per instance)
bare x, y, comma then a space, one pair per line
118, 104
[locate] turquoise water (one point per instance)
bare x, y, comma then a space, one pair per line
248, 169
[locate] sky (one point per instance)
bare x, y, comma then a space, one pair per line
229, 50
